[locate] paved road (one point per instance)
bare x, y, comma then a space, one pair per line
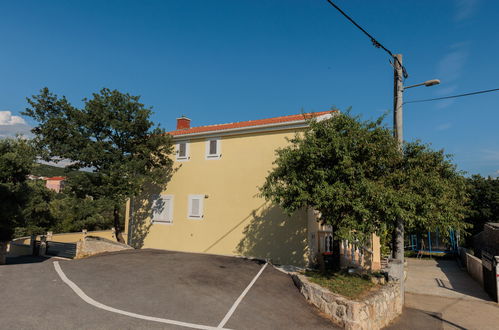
442, 278
439, 295
193, 288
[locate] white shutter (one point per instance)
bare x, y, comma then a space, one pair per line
182, 150
195, 206
162, 209
213, 148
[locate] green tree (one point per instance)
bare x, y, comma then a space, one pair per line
354, 175
74, 214
36, 217
483, 203
16, 160
112, 135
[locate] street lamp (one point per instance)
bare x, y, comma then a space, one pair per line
427, 83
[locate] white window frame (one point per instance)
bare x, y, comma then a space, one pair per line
169, 221
177, 151
219, 148
201, 207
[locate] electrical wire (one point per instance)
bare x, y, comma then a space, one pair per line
453, 96
375, 42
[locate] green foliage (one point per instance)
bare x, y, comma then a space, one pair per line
74, 214
50, 170
112, 135
37, 217
16, 160
354, 174
483, 203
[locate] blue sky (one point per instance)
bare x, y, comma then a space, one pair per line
225, 61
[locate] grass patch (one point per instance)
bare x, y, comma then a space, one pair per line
352, 286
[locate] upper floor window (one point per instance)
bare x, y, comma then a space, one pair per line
182, 150
162, 209
213, 148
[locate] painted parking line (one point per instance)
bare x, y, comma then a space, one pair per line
97, 304
240, 298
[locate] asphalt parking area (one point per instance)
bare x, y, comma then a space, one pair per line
171, 290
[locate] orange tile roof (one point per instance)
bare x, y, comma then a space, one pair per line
56, 178
250, 123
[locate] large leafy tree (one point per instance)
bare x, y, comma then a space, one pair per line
353, 173
112, 135
16, 160
37, 217
483, 203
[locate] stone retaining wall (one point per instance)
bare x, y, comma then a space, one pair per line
92, 245
374, 312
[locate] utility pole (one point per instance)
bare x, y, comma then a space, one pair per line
398, 234
398, 89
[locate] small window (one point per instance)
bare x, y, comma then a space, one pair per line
213, 148
182, 150
162, 209
195, 207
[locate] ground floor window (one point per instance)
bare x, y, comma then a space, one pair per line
162, 209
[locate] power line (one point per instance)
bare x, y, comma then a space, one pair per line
375, 42
454, 96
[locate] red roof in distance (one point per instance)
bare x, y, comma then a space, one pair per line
56, 178
250, 123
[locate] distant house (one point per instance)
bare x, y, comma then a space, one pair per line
212, 203
55, 183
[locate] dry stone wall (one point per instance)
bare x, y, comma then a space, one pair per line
374, 312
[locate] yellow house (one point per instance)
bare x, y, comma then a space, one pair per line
211, 204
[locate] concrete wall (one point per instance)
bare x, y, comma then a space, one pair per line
236, 220
16, 249
21, 246
474, 267
75, 237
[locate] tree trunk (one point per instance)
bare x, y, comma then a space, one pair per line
336, 254
336, 250
3, 252
117, 225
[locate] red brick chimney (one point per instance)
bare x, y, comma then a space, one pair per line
183, 122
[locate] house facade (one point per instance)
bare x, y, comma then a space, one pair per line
212, 203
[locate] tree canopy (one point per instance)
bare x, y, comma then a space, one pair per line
16, 160
483, 203
112, 135
353, 172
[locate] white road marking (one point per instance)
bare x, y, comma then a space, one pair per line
238, 301
97, 304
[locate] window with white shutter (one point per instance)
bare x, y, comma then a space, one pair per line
195, 210
162, 209
213, 148
182, 150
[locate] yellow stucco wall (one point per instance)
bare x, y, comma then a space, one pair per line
236, 221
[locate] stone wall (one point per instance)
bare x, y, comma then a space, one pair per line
92, 245
374, 312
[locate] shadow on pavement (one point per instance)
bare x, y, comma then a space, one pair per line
25, 260
459, 280
416, 319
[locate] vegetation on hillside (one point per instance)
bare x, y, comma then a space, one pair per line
51, 170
